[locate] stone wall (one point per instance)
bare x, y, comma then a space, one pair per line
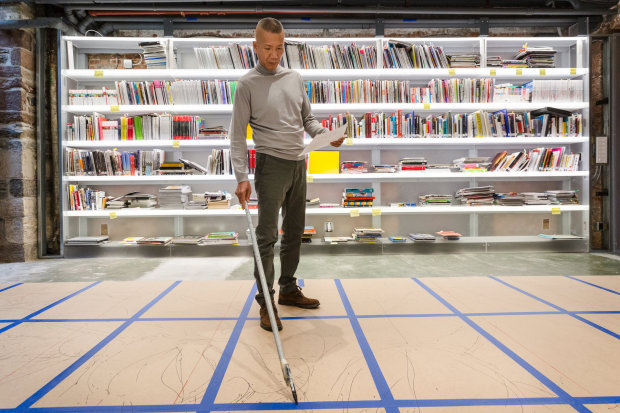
18, 187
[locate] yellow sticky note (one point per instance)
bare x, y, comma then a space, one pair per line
354, 213
114, 109
427, 106
452, 72
113, 215
555, 211
519, 72
573, 70
493, 72
376, 211
98, 73
309, 178
176, 144
543, 72
348, 141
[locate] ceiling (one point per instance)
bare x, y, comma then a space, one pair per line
109, 15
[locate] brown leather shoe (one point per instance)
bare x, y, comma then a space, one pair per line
265, 322
297, 299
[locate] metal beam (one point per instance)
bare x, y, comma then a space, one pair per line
477, 11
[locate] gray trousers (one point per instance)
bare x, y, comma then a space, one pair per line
279, 183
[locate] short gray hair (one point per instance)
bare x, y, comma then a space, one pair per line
269, 24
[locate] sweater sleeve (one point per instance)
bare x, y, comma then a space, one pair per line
238, 130
311, 125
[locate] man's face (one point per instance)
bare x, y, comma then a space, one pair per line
269, 47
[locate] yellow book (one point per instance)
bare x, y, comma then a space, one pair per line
478, 124
124, 128
324, 162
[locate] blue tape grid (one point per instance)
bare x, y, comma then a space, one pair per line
11, 286
387, 400
560, 309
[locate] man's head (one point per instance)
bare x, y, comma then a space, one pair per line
269, 43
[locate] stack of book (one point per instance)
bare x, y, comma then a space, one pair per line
536, 198
510, 199
412, 164
309, 231
562, 196
368, 235
471, 164
187, 239
418, 237
435, 199
494, 61
384, 168
538, 56
218, 200
514, 63
96, 240
174, 196
449, 235
155, 240
474, 196
220, 238
197, 201
464, 60
353, 167
355, 197
154, 54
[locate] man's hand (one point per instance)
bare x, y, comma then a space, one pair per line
338, 142
243, 192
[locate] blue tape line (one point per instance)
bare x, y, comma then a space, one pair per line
352, 404
12, 286
528, 367
382, 387
563, 311
36, 313
593, 285
79, 362
218, 374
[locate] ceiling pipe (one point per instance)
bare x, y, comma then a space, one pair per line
99, 10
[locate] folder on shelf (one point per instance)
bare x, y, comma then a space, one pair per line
324, 162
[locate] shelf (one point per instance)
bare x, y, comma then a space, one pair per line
107, 75
326, 178
357, 143
458, 209
324, 108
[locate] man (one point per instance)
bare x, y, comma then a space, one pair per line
273, 101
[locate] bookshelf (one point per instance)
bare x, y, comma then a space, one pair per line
516, 226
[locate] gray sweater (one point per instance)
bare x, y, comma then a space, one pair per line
277, 108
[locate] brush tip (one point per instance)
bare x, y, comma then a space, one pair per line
295, 397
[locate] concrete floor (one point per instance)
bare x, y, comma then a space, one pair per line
313, 267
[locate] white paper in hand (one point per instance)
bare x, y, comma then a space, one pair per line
323, 140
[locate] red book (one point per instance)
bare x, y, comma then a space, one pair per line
132, 165
399, 123
412, 168
130, 129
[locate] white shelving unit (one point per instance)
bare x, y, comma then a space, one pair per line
503, 224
